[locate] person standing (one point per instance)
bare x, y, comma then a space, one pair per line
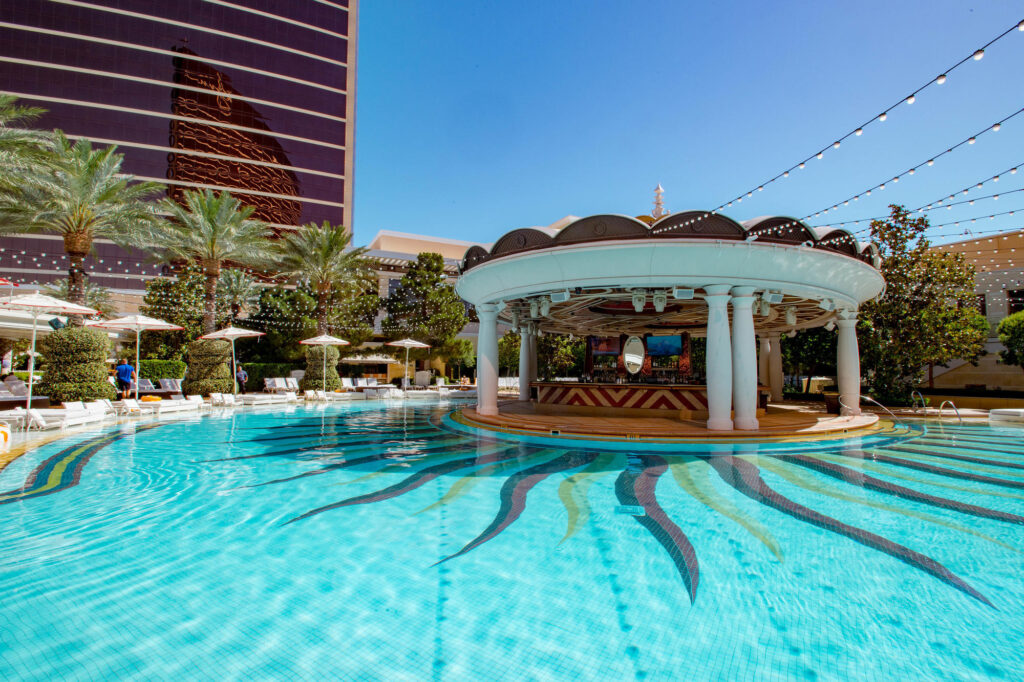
241, 377
125, 377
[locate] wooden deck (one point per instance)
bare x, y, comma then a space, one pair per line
783, 422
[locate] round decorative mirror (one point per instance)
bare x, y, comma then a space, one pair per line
633, 354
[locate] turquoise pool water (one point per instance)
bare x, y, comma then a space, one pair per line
375, 542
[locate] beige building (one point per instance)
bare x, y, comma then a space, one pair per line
999, 261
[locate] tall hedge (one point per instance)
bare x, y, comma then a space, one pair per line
314, 378
209, 368
258, 371
76, 365
162, 369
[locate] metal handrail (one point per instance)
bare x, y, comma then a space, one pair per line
913, 400
953, 405
842, 405
894, 417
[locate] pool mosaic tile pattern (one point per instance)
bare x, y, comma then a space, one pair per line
372, 542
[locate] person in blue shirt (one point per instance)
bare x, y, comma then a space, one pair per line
241, 377
125, 376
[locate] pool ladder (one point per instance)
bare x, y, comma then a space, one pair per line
953, 405
891, 414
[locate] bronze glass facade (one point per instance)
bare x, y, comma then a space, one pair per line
251, 96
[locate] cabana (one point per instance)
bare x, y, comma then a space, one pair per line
616, 277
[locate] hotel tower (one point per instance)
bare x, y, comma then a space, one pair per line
256, 97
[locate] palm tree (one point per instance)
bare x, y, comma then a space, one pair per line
238, 290
83, 196
96, 296
211, 229
320, 255
20, 146
23, 151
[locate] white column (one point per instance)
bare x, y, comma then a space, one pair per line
775, 378
848, 363
533, 353
487, 360
762, 360
524, 363
719, 358
744, 360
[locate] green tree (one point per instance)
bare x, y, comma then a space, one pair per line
508, 354
319, 255
424, 307
459, 355
75, 365
179, 301
237, 291
22, 149
1011, 335
211, 229
96, 296
810, 352
83, 196
922, 317
286, 317
559, 355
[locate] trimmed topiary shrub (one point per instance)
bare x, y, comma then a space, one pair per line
314, 378
258, 371
76, 365
209, 368
162, 369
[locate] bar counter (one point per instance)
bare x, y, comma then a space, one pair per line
689, 400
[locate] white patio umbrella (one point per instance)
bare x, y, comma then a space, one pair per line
137, 324
41, 304
8, 283
407, 344
324, 340
231, 333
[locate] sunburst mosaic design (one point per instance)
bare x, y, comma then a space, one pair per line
927, 459
968, 461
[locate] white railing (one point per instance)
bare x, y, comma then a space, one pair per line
953, 405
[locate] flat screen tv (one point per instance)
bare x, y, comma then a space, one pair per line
608, 345
664, 345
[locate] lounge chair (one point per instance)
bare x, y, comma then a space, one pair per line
291, 397
198, 400
178, 405
229, 400
328, 396
16, 386
346, 384
17, 416
292, 383
361, 383
262, 398
170, 385
276, 385
100, 410
131, 406
51, 418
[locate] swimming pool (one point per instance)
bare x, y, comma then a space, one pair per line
378, 542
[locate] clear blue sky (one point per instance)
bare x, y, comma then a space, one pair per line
475, 118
